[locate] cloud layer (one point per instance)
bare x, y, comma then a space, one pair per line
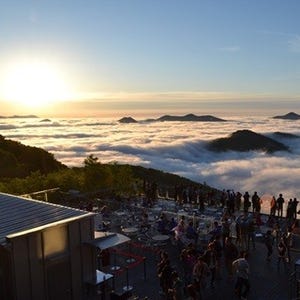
177, 147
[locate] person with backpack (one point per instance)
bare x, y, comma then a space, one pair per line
242, 285
200, 275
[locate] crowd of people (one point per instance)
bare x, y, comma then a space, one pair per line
230, 241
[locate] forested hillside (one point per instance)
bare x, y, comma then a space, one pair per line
25, 170
18, 160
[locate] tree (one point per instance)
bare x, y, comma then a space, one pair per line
123, 180
91, 160
97, 176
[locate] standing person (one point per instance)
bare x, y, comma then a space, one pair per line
242, 285
164, 276
210, 257
273, 206
277, 233
200, 274
242, 222
230, 201
269, 244
289, 211
233, 229
281, 248
294, 209
186, 266
230, 254
279, 202
162, 268
217, 246
251, 234
176, 290
179, 231
223, 198
191, 232
247, 202
288, 241
238, 201
256, 207
225, 230
216, 231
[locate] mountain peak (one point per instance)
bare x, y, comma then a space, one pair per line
288, 116
127, 120
246, 140
190, 118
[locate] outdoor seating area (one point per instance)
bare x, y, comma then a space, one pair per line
133, 238
149, 230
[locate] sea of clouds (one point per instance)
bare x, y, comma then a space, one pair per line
176, 147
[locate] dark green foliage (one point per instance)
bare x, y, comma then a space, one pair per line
19, 186
8, 164
162, 178
25, 170
106, 179
96, 175
18, 160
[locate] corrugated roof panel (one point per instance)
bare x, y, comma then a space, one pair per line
18, 214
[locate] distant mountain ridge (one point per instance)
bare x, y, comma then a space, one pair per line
246, 140
19, 117
288, 116
170, 118
190, 118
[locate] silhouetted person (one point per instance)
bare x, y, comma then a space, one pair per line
279, 202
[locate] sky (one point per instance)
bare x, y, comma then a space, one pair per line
97, 57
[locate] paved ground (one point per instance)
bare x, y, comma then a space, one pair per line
267, 282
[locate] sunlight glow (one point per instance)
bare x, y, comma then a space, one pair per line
33, 84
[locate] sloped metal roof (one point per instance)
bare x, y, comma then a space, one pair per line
18, 214
105, 240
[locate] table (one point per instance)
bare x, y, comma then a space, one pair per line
160, 237
99, 279
130, 230
211, 210
120, 213
115, 267
151, 218
156, 209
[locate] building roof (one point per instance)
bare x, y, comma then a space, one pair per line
19, 214
105, 240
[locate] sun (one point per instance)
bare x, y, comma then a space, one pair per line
33, 84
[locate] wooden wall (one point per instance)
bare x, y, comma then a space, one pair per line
33, 260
